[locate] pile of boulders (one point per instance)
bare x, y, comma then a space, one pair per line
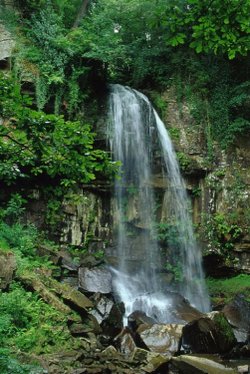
144, 345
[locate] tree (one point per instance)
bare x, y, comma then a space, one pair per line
81, 12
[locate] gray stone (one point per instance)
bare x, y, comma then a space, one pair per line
95, 280
6, 43
161, 338
108, 314
127, 344
237, 313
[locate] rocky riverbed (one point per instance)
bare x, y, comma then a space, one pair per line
191, 342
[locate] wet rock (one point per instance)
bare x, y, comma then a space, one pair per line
127, 344
7, 268
239, 352
108, 314
138, 318
208, 336
70, 295
150, 362
237, 313
66, 262
155, 362
200, 365
82, 328
96, 279
181, 308
71, 281
48, 251
103, 307
89, 260
110, 351
161, 338
61, 258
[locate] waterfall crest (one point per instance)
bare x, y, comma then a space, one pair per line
134, 125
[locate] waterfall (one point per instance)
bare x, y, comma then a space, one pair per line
134, 129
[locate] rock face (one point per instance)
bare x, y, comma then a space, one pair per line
6, 44
7, 268
88, 216
208, 336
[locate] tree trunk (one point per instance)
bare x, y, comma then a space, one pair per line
81, 13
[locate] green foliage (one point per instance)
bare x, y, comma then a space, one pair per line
221, 232
26, 322
167, 233
176, 270
229, 112
224, 290
14, 208
184, 160
174, 133
202, 44
21, 239
217, 26
8, 364
29, 324
51, 54
34, 143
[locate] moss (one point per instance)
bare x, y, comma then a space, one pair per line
224, 327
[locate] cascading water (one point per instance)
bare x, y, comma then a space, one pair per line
134, 123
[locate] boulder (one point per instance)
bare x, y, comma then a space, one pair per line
70, 295
150, 362
138, 318
208, 336
200, 365
237, 313
155, 362
182, 309
127, 344
161, 338
85, 327
108, 314
7, 268
96, 279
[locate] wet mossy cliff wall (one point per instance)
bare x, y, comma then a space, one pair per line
218, 183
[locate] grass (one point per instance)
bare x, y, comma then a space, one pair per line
224, 290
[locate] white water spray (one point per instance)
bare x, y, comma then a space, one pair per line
134, 123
